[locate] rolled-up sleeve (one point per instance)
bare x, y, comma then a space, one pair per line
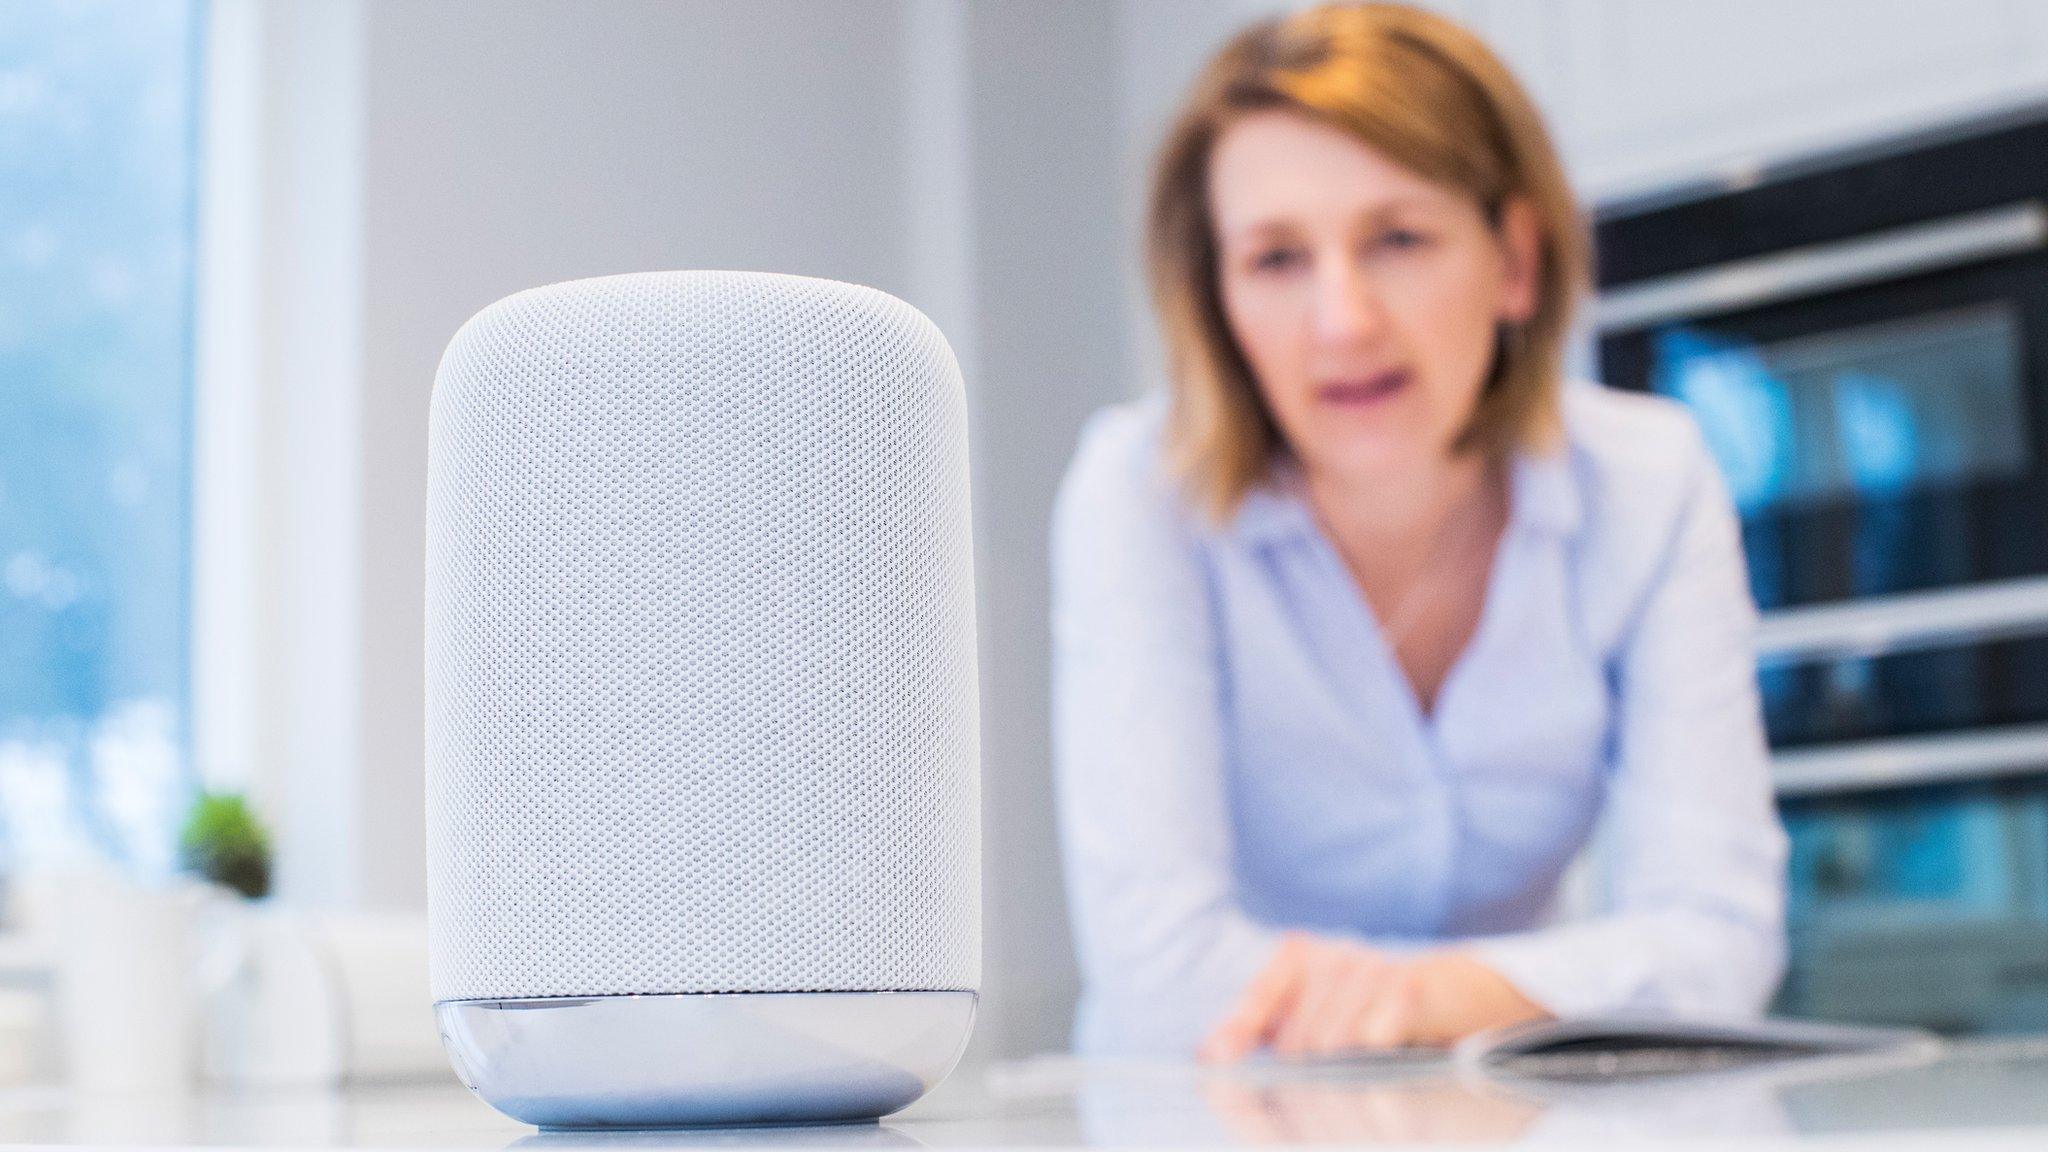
1692, 854
1163, 945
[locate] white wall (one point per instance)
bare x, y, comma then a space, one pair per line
1049, 325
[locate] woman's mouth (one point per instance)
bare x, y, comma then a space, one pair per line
1363, 391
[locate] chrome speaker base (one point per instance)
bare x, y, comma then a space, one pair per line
709, 1059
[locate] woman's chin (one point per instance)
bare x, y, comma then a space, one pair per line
1365, 458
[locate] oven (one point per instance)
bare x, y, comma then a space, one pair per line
1863, 339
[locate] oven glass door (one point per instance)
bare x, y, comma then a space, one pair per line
1925, 905
1878, 439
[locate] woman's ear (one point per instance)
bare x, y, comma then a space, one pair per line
1521, 259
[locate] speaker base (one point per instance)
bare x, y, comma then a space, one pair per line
705, 1059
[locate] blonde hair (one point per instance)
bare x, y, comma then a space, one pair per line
1432, 98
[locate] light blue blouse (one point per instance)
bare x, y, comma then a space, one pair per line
1237, 753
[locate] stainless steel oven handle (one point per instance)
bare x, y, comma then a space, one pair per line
1810, 270
1864, 765
1905, 622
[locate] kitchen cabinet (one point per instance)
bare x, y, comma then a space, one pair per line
1645, 94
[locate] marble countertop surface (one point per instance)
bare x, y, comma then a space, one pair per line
1976, 1094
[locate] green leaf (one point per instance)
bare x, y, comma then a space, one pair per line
224, 842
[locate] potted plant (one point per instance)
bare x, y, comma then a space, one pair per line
273, 1016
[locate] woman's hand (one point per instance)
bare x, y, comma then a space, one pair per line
1319, 995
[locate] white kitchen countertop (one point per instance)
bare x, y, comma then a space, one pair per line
1980, 1094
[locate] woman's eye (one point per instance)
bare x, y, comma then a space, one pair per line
1400, 240
1276, 259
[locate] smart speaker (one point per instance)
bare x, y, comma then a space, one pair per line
703, 790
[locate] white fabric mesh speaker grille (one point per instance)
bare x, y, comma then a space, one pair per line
701, 702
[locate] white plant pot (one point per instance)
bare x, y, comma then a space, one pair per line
126, 955
274, 1008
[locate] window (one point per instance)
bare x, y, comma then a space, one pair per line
98, 163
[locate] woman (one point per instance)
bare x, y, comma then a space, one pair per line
1359, 631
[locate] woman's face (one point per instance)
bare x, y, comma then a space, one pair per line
1365, 298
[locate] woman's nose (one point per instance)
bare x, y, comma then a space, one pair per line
1348, 308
